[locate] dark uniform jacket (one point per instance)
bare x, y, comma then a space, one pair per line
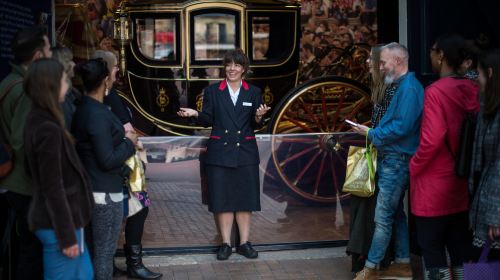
232, 141
62, 200
102, 145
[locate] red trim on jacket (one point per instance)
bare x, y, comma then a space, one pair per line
223, 85
214, 137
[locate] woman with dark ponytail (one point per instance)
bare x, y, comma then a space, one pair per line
103, 146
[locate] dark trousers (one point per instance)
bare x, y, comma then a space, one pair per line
30, 262
134, 227
437, 234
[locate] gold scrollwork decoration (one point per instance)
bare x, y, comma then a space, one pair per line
162, 99
268, 96
199, 102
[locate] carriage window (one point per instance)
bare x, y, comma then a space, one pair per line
156, 38
272, 36
214, 34
260, 36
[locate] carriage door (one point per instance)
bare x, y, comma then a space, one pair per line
212, 29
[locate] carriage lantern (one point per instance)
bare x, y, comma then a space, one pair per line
122, 31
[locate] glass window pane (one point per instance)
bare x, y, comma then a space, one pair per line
214, 34
260, 35
273, 38
156, 38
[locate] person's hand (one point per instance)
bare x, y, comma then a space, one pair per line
261, 111
130, 134
187, 112
361, 129
72, 251
139, 145
128, 126
494, 232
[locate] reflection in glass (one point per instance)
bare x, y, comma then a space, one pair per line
301, 177
156, 38
214, 34
272, 36
260, 37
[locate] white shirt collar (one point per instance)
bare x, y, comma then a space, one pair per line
234, 94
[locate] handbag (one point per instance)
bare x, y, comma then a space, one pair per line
360, 170
483, 270
463, 158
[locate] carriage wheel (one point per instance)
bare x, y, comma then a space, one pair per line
313, 166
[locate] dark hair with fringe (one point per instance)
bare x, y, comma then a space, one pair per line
237, 56
43, 85
491, 60
93, 72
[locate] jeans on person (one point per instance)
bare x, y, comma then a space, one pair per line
393, 181
58, 266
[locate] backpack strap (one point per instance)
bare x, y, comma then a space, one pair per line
3, 94
8, 88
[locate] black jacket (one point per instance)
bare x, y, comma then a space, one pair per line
232, 141
115, 103
62, 199
101, 144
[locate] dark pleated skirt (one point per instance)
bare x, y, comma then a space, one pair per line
233, 189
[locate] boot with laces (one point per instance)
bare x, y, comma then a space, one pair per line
367, 274
397, 271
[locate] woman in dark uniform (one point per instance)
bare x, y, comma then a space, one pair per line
234, 109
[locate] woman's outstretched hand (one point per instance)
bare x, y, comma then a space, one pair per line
262, 110
187, 112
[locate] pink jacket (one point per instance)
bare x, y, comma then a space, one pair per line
435, 190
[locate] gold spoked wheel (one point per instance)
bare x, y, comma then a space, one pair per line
313, 166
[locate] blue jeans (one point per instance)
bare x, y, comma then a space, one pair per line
393, 180
58, 266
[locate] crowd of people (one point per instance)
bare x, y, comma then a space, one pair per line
328, 27
417, 133
69, 186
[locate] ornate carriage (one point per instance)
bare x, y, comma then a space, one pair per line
171, 50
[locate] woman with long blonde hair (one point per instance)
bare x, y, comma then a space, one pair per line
362, 210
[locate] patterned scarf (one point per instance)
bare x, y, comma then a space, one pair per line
379, 109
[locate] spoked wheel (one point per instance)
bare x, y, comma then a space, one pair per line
313, 165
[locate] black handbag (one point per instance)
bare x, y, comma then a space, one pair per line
463, 158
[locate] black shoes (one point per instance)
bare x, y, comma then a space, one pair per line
135, 268
224, 252
247, 250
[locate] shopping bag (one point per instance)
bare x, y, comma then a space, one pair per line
360, 171
483, 270
137, 179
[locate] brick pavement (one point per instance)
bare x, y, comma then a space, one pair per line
325, 263
177, 218
328, 263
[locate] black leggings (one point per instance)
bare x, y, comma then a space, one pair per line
135, 227
437, 234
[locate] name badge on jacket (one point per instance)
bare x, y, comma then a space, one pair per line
247, 104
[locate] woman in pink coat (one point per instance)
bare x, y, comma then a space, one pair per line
439, 199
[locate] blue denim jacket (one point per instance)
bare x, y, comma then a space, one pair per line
399, 129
